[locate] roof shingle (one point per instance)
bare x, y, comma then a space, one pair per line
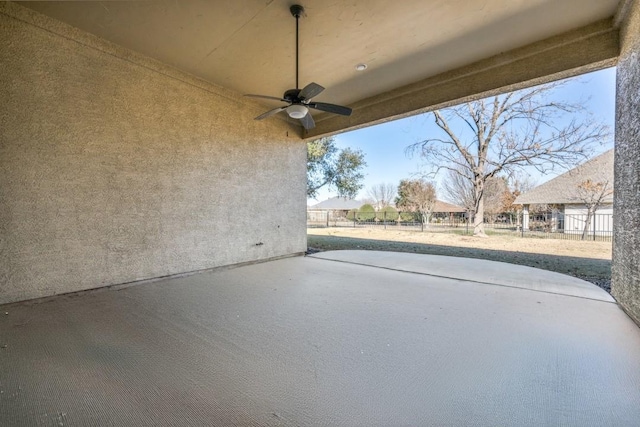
563, 188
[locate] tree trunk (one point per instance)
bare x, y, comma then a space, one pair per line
587, 224
478, 219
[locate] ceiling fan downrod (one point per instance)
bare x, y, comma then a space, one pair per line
297, 11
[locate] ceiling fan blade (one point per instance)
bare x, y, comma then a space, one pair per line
265, 97
331, 108
310, 90
270, 113
307, 121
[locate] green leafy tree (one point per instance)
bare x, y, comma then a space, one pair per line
338, 169
366, 213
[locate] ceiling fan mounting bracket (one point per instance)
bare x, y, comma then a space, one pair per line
296, 10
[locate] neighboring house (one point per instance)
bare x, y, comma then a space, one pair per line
338, 206
576, 196
447, 210
344, 204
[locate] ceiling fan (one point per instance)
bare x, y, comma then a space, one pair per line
299, 100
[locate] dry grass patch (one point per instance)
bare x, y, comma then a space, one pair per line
585, 259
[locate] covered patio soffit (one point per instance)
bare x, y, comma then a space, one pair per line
419, 54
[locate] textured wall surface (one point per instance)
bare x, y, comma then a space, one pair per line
116, 168
626, 243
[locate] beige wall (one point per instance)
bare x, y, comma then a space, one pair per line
625, 268
115, 168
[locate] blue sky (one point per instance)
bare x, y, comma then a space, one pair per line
384, 145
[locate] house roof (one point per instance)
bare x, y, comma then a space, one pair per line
338, 203
447, 207
563, 188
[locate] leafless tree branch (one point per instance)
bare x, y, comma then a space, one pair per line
510, 132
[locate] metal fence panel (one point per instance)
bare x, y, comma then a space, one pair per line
554, 225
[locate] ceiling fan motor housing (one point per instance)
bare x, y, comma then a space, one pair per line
292, 95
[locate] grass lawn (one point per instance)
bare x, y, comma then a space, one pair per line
585, 259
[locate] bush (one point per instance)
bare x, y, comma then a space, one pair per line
366, 213
408, 217
352, 214
388, 213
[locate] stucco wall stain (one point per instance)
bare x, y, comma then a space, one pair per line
113, 172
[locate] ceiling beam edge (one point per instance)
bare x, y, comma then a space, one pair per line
585, 49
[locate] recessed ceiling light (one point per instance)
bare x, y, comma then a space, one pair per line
361, 67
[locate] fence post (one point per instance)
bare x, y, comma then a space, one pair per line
327, 219
595, 218
521, 224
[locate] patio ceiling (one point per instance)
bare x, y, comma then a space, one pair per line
420, 53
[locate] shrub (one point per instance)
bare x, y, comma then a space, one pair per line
408, 217
388, 213
366, 213
352, 214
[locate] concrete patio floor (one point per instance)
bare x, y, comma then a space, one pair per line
338, 338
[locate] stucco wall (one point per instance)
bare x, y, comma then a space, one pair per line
626, 243
116, 168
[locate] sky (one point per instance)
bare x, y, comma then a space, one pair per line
384, 144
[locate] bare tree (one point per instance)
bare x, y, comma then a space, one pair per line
417, 195
382, 194
518, 183
458, 188
507, 133
368, 201
495, 190
593, 192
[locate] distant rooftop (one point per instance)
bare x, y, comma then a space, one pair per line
563, 188
338, 203
447, 207
342, 203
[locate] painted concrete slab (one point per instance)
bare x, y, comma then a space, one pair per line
311, 341
475, 270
